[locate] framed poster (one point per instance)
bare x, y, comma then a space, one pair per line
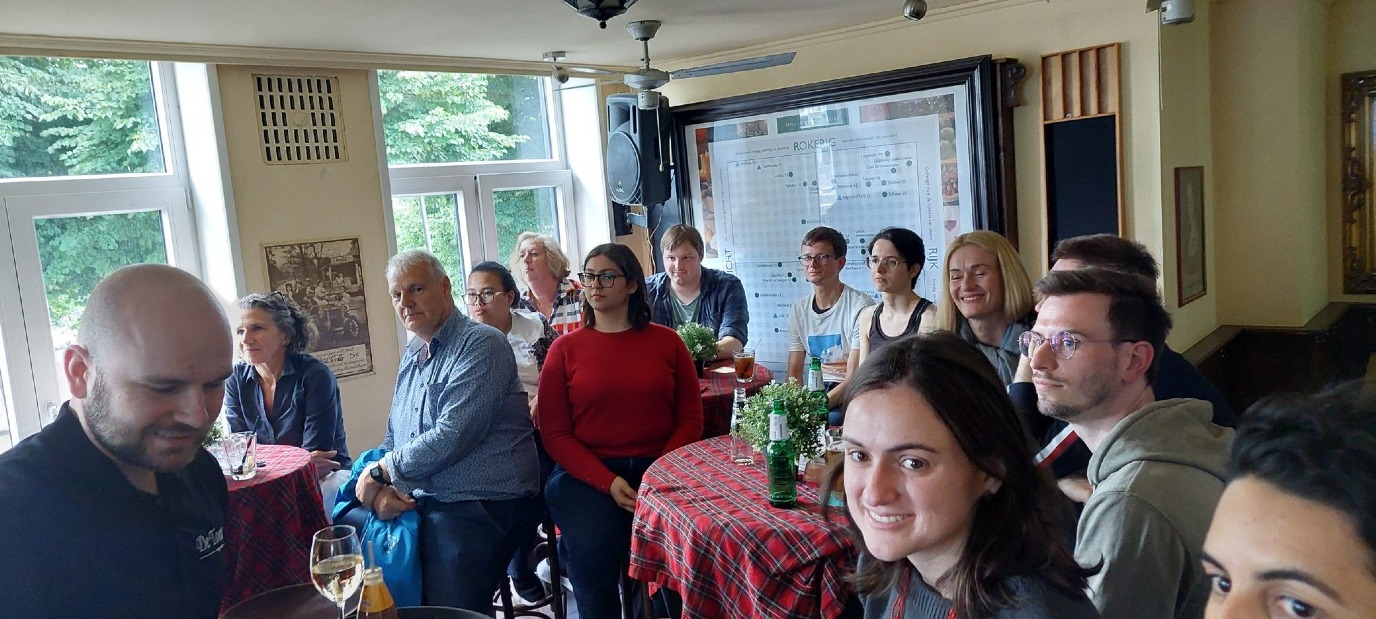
919, 148
1189, 234
325, 278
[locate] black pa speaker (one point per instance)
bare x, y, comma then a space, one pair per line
638, 149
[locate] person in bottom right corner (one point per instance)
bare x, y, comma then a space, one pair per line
951, 517
1294, 534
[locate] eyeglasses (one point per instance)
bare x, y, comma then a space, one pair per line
889, 263
480, 298
820, 258
602, 280
1063, 343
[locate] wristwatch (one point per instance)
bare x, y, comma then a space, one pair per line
378, 475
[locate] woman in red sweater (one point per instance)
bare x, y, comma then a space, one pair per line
614, 396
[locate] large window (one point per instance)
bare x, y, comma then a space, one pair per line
72, 116
475, 161
89, 182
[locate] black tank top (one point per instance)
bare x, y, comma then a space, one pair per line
879, 340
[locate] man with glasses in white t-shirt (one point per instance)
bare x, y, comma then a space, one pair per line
823, 323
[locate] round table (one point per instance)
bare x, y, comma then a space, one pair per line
269, 525
718, 386
291, 602
704, 528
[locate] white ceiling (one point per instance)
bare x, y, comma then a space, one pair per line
510, 30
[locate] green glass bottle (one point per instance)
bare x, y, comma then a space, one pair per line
818, 387
781, 463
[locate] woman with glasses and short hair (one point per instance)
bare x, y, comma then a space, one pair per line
614, 396
895, 258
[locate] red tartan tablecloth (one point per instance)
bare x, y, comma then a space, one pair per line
270, 523
704, 528
718, 385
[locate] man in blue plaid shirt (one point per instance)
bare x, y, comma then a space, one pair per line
460, 442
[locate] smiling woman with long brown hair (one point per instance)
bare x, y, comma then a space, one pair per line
953, 520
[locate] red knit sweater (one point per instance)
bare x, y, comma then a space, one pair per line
617, 395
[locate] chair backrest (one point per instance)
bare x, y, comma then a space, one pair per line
437, 612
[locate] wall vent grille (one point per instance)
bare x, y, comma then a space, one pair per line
299, 119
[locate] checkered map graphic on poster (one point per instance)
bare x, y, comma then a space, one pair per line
858, 167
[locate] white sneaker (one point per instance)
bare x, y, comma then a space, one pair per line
542, 572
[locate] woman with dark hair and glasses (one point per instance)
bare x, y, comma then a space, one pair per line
895, 258
614, 396
490, 297
277, 391
953, 520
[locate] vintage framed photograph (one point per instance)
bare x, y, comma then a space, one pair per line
325, 278
1190, 276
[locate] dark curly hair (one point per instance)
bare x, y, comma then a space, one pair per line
286, 315
1016, 531
1321, 448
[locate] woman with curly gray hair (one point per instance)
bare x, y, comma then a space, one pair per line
277, 391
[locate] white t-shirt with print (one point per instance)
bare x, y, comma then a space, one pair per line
831, 334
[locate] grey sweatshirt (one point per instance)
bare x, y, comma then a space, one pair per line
1157, 477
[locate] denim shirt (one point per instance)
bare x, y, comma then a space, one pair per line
306, 407
721, 304
459, 427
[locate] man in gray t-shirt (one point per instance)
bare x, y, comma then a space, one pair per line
822, 324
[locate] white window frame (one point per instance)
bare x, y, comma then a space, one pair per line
475, 183
30, 380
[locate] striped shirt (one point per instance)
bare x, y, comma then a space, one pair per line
460, 428
568, 306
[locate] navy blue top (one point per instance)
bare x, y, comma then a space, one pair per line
722, 307
81, 541
305, 408
1176, 377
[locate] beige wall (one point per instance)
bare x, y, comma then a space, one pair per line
1026, 32
286, 203
1268, 60
1351, 47
1186, 140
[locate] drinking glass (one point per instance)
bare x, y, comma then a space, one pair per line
835, 452
241, 454
336, 564
745, 365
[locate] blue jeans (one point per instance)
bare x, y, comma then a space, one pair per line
597, 533
521, 570
835, 416
464, 547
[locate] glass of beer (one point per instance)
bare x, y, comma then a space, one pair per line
745, 365
835, 452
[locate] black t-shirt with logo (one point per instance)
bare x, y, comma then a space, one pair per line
78, 540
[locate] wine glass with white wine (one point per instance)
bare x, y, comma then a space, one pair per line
336, 564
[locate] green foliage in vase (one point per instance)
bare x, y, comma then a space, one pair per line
805, 420
217, 431
701, 341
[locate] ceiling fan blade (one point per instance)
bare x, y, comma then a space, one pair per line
587, 83
589, 70
732, 66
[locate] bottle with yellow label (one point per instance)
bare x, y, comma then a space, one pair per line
377, 600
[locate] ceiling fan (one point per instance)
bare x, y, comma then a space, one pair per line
647, 78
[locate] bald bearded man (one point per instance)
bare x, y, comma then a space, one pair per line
114, 510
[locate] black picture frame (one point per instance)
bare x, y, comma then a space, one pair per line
990, 85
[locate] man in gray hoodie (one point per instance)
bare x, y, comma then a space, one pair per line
1157, 467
